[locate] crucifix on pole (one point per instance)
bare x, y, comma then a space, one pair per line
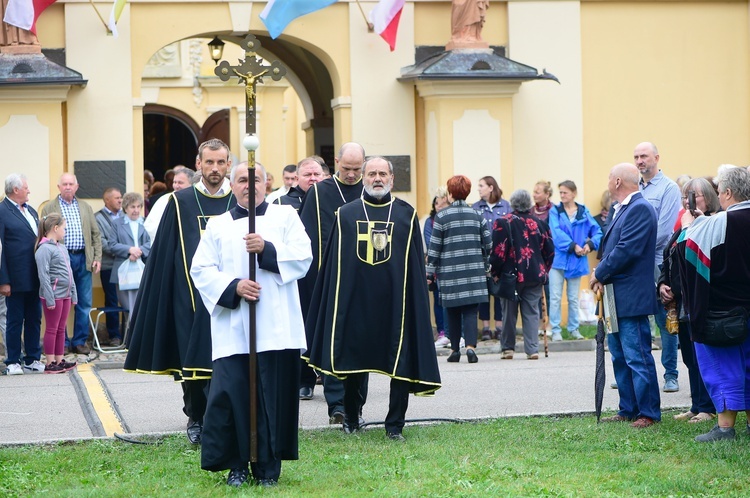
250, 71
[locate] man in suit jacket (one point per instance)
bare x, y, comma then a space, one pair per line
19, 281
628, 264
84, 245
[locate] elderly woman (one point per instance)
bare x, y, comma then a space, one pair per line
459, 247
716, 278
575, 234
131, 243
491, 206
668, 288
522, 243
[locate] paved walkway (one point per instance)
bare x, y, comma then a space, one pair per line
98, 399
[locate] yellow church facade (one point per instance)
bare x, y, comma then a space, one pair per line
671, 72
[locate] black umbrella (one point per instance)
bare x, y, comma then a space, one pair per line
600, 375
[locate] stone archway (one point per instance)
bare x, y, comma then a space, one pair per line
170, 137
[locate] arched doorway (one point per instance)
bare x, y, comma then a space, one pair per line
170, 137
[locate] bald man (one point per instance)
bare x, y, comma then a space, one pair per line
84, 243
628, 264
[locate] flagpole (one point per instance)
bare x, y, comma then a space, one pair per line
249, 72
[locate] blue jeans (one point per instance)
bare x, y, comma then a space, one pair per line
668, 345
24, 314
635, 370
111, 301
82, 278
556, 281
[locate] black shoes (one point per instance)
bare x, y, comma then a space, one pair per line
238, 477
395, 436
194, 430
336, 418
454, 357
266, 483
486, 334
351, 427
306, 393
471, 356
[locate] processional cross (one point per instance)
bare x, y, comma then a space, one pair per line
250, 71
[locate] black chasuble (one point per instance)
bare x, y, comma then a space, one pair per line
370, 309
170, 329
318, 211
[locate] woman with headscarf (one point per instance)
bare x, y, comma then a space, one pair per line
522, 243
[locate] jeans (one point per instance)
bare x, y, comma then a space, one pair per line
111, 301
556, 281
82, 278
439, 312
635, 370
668, 345
24, 315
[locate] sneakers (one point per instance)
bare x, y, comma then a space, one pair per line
53, 368
14, 369
576, 335
462, 344
532, 356
506, 354
442, 341
35, 367
498, 332
671, 386
716, 434
67, 365
556, 337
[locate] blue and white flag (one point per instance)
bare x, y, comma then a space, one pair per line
279, 13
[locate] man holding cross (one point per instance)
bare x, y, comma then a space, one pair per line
220, 271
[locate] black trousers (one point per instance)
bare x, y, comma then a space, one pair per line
333, 390
397, 404
194, 399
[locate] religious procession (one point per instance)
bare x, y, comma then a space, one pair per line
391, 261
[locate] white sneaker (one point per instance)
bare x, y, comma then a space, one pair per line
14, 369
36, 367
442, 342
556, 337
576, 335
462, 344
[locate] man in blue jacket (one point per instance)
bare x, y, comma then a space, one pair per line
628, 264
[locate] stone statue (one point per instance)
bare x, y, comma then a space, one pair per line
14, 40
467, 19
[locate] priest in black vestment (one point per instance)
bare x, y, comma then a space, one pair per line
170, 330
317, 213
370, 307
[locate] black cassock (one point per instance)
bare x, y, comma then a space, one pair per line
370, 310
170, 329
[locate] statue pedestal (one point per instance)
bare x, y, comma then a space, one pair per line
458, 44
21, 49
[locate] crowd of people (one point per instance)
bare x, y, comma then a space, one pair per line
677, 253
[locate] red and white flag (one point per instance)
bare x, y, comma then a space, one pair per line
385, 17
24, 13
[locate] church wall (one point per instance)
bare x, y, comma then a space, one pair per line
548, 119
382, 107
671, 73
